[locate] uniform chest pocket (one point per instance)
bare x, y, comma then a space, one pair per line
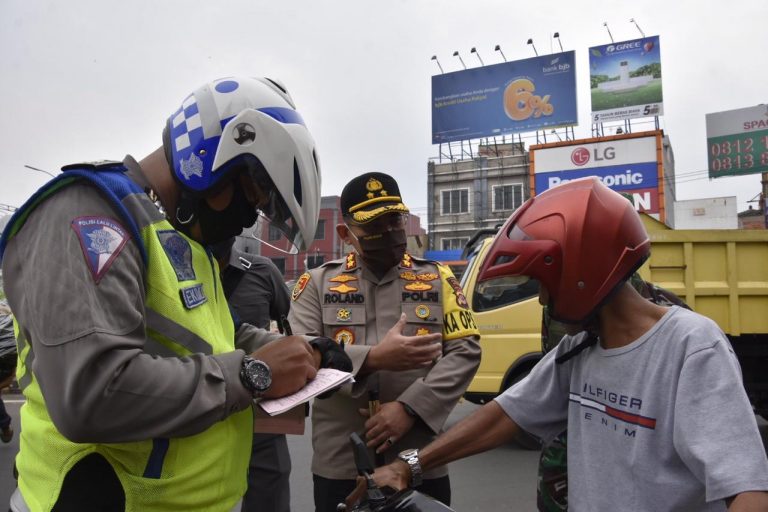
422, 318
344, 323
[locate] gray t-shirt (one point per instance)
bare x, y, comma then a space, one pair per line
661, 424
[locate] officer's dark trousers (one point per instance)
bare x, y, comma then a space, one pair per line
329, 493
5, 419
268, 475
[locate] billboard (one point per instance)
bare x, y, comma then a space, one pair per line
511, 97
737, 141
628, 164
625, 80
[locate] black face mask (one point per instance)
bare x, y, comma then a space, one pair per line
383, 251
217, 226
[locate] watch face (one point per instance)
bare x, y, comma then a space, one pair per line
259, 375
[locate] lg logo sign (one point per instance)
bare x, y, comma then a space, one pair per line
581, 156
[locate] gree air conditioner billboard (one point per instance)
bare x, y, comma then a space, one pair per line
511, 97
629, 164
625, 80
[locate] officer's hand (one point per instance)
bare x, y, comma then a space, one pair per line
387, 426
291, 362
397, 352
332, 355
395, 476
329, 354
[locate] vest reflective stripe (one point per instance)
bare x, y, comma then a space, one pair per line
171, 330
202, 472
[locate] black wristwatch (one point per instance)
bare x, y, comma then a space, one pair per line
255, 376
411, 457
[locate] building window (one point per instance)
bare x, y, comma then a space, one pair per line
315, 261
320, 231
455, 201
507, 197
452, 244
280, 264
274, 233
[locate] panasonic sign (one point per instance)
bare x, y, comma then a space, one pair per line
627, 178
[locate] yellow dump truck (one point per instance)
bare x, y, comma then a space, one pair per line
722, 274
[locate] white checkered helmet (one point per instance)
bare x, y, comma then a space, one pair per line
238, 123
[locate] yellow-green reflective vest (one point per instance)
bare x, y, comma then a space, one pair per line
204, 472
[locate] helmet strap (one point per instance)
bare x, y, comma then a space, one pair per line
186, 210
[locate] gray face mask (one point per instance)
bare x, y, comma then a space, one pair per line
382, 251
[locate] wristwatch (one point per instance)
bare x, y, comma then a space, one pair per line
411, 457
255, 376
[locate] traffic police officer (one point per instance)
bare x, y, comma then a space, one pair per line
408, 329
136, 398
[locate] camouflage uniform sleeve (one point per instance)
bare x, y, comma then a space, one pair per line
434, 396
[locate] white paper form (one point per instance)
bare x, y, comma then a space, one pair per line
327, 378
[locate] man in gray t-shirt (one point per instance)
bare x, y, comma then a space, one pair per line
641, 432
657, 417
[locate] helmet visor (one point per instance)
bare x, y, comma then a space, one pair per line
270, 204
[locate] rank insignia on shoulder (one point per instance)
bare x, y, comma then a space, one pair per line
421, 331
179, 253
193, 296
101, 239
343, 315
351, 261
407, 261
422, 311
418, 286
345, 336
343, 288
301, 283
342, 278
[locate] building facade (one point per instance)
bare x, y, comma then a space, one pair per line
481, 192
265, 240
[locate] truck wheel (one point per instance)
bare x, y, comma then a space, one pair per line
523, 439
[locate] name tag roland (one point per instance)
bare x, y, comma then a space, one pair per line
193, 296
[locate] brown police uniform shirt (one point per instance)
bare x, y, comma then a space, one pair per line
88, 339
346, 302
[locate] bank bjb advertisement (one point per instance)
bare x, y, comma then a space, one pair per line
628, 166
625, 80
511, 97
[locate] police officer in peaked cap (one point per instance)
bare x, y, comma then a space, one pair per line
406, 325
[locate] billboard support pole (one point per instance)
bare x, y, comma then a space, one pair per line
605, 24
632, 20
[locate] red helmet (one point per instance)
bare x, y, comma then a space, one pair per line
580, 240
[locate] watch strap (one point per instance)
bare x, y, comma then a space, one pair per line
411, 457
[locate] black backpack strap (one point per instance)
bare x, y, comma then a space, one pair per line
590, 340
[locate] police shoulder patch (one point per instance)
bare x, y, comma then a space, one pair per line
301, 283
101, 239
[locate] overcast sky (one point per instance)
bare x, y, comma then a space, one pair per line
96, 79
